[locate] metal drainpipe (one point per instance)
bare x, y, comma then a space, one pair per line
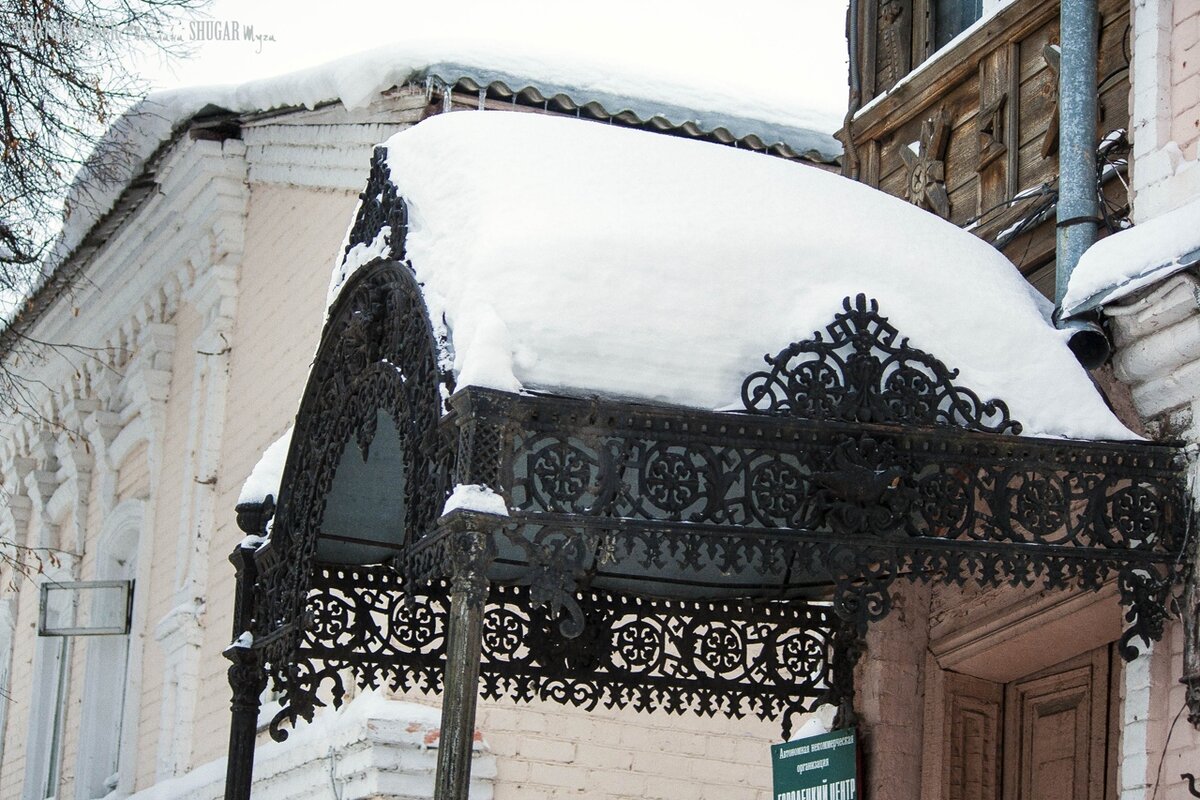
851, 167
1078, 204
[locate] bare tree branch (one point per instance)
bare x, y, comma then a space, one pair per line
64, 78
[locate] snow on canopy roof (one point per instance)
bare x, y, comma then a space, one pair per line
570, 257
267, 474
1133, 259
358, 79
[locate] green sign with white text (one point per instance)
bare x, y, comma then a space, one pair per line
821, 767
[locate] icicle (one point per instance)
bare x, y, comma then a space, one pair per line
482, 96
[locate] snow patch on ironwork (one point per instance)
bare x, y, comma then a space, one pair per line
358, 256
474, 497
244, 641
268, 472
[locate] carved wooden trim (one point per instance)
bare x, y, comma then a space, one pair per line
951, 66
926, 185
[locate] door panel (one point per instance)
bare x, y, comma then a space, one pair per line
970, 763
1056, 732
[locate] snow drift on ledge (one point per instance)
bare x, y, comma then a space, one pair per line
571, 257
1129, 260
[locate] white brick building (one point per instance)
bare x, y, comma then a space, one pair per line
199, 302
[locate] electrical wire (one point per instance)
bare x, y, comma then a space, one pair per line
1163, 755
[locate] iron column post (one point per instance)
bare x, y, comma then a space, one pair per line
470, 554
247, 679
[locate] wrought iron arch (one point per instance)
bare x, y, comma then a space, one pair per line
378, 354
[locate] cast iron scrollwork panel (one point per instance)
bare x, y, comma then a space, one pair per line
860, 373
942, 503
380, 211
736, 658
378, 355
859, 463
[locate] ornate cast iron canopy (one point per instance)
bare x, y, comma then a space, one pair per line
653, 556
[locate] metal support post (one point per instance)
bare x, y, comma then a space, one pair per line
247, 679
849, 644
470, 553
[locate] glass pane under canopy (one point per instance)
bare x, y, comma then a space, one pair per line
365, 508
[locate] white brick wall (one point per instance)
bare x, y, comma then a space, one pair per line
544, 750
1165, 104
1185, 76
1158, 338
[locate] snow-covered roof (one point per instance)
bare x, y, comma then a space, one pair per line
356, 80
796, 133
577, 258
1135, 258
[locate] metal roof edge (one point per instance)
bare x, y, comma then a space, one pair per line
806, 142
1133, 283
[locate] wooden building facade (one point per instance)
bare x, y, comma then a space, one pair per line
959, 114
1022, 694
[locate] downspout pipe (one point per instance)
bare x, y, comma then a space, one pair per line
1078, 202
850, 167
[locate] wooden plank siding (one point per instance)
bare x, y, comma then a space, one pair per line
1000, 97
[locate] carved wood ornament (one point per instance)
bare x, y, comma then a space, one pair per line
895, 33
1052, 55
991, 125
927, 167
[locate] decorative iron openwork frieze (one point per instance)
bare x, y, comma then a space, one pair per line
736, 658
378, 356
636, 533
861, 373
890, 484
380, 211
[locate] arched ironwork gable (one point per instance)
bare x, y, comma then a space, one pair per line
377, 365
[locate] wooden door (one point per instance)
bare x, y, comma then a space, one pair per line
1056, 732
1042, 737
